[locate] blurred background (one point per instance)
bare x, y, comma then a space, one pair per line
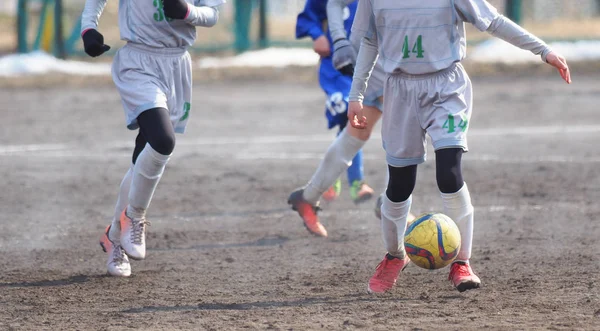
53, 25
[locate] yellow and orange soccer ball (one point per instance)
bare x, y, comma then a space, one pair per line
432, 241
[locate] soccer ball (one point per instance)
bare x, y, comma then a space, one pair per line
432, 241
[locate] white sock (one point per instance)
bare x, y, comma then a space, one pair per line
393, 225
147, 172
338, 158
459, 208
122, 201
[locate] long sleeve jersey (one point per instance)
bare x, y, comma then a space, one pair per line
420, 37
144, 22
311, 20
337, 26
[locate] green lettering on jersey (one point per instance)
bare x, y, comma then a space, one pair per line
416, 49
159, 15
405, 48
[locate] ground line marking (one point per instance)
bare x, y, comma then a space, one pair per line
284, 139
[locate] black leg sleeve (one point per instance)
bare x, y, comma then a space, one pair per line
448, 169
402, 183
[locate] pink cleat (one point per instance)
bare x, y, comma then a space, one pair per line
462, 277
386, 274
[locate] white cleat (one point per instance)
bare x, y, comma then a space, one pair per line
133, 236
117, 263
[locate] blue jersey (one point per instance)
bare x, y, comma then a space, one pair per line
311, 23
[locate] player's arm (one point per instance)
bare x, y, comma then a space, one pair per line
510, 32
205, 14
486, 18
309, 24
365, 62
344, 55
93, 41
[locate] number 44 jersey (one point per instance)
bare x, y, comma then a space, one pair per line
420, 36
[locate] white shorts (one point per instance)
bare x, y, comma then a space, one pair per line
149, 78
437, 104
374, 93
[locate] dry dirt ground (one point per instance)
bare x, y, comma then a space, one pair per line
226, 252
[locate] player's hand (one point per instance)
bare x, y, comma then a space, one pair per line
93, 43
355, 115
558, 61
175, 9
344, 57
321, 46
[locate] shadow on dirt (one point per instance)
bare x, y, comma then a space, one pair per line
262, 242
49, 283
353, 298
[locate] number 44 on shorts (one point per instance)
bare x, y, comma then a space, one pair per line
450, 123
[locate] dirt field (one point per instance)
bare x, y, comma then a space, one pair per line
226, 252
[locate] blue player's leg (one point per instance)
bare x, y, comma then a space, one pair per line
356, 170
359, 190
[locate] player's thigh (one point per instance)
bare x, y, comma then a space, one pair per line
373, 115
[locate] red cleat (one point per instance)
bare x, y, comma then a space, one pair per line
462, 277
308, 213
386, 274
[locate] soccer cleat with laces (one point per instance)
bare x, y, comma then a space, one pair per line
133, 236
117, 263
462, 277
360, 191
334, 191
386, 273
307, 212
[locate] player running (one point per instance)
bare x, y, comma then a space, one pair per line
346, 148
153, 73
420, 45
336, 87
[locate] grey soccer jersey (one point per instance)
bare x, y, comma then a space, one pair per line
144, 22
419, 37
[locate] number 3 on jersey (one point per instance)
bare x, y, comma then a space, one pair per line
417, 48
449, 124
159, 15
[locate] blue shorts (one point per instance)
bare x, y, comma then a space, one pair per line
337, 88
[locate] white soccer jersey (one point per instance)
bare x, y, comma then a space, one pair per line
420, 37
144, 22
416, 36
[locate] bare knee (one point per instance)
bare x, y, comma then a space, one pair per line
363, 134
